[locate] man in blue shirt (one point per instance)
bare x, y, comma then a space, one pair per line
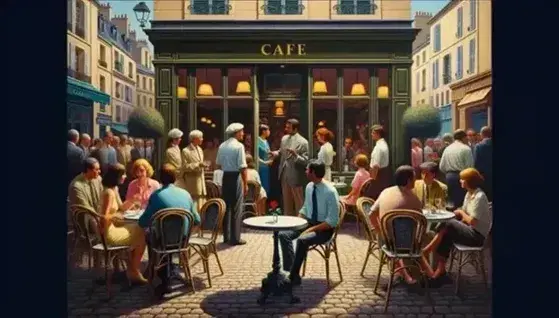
168, 196
320, 209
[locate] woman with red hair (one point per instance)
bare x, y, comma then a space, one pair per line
326, 153
472, 223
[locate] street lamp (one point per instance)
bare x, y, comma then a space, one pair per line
142, 12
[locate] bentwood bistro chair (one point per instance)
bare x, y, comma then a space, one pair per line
364, 205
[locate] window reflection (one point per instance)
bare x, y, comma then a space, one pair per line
182, 87
208, 82
325, 114
238, 82
356, 82
242, 111
209, 121
325, 82
356, 131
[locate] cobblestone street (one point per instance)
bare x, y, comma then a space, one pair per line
234, 294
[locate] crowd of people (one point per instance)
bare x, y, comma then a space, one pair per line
306, 187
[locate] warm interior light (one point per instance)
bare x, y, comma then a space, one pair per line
358, 89
279, 110
319, 87
243, 87
205, 90
213, 125
382, 92
181, 92
208, 121
203, 119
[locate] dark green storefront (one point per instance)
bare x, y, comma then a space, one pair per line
212, 73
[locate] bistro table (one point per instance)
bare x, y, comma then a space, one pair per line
133, 215
341, 187
276, 282
439, 216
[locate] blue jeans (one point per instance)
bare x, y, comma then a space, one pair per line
293, 260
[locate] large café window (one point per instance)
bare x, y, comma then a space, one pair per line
341, 99
222, 96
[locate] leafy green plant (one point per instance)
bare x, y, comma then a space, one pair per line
423, 121
146, 122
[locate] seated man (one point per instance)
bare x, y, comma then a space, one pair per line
85, 189
168, 196
428, 189
320, 209
397, 197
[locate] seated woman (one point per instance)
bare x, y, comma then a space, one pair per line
252, 175
118, 233
143, 186
218, 177
472, 223
362, 163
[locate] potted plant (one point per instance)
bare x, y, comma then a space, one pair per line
422, 122
146, 122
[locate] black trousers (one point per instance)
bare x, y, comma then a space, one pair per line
461, 233
455, 192
232, 195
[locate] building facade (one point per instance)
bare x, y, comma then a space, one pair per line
218, 62
460, 43
145, 74
421, 75
86, 103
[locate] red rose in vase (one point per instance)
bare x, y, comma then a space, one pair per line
274, 204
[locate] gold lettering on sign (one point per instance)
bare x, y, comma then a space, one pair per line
283, 50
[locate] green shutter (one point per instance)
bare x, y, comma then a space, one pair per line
273, 7
363, 7
346, 7
219, 7
292, 7
200, 7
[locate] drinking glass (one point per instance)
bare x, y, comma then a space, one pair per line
342, 179
336, 180
439, 204
275, 218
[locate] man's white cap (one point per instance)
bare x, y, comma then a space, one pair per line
234, 128
175, 133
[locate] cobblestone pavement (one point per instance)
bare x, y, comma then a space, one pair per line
234, 294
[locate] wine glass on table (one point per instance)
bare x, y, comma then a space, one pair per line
439, 204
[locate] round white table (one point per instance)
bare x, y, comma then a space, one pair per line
276, 282
339, 185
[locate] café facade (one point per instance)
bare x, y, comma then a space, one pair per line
343, 75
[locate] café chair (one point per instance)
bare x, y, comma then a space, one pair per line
472, 255
167, 237
206, 246
329, 248
401, 234
212, 190
363, 206
249, 206
89, 228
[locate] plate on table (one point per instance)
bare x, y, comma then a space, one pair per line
133, 214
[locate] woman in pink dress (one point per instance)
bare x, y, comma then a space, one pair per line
362, 175
143, 186
416, 156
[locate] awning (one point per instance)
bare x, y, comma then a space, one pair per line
120, 128
87, 91
475, 96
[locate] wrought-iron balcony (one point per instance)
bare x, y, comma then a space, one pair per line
80, 76
207, 8
355, 7
288, 8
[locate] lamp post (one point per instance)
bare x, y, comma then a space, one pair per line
142, 12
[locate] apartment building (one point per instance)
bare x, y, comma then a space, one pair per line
342, 64
421, 90
86, 103
145, 75
460, 43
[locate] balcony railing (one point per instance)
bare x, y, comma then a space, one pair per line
80, 31
355, 7
79, 75
119, 66
283, 9
206, 8
103, 63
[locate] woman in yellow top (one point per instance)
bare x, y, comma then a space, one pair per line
116, 231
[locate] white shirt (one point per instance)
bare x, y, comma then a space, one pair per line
218, 177
231, 156
252, 175
380, 154
477, 206
456, 157
427, 152
326, 154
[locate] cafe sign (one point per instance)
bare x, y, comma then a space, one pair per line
288, 49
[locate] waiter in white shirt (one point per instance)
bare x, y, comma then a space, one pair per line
231, 159
380, 172
456, 157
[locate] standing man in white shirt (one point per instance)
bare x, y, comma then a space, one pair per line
380, 171
456, 157
231, 158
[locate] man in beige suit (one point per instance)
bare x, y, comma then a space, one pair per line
86, 188
193, 169
123, 150
173, 152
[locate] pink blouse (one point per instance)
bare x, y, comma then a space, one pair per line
134, 189
416, 157
360, 177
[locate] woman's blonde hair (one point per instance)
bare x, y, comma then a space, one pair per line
472, 177
142, 163
250, 162
362, 161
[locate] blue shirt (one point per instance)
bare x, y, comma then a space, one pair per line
231, 156
166, 197
327, 203
107, 156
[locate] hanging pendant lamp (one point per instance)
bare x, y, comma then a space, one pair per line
243, 87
